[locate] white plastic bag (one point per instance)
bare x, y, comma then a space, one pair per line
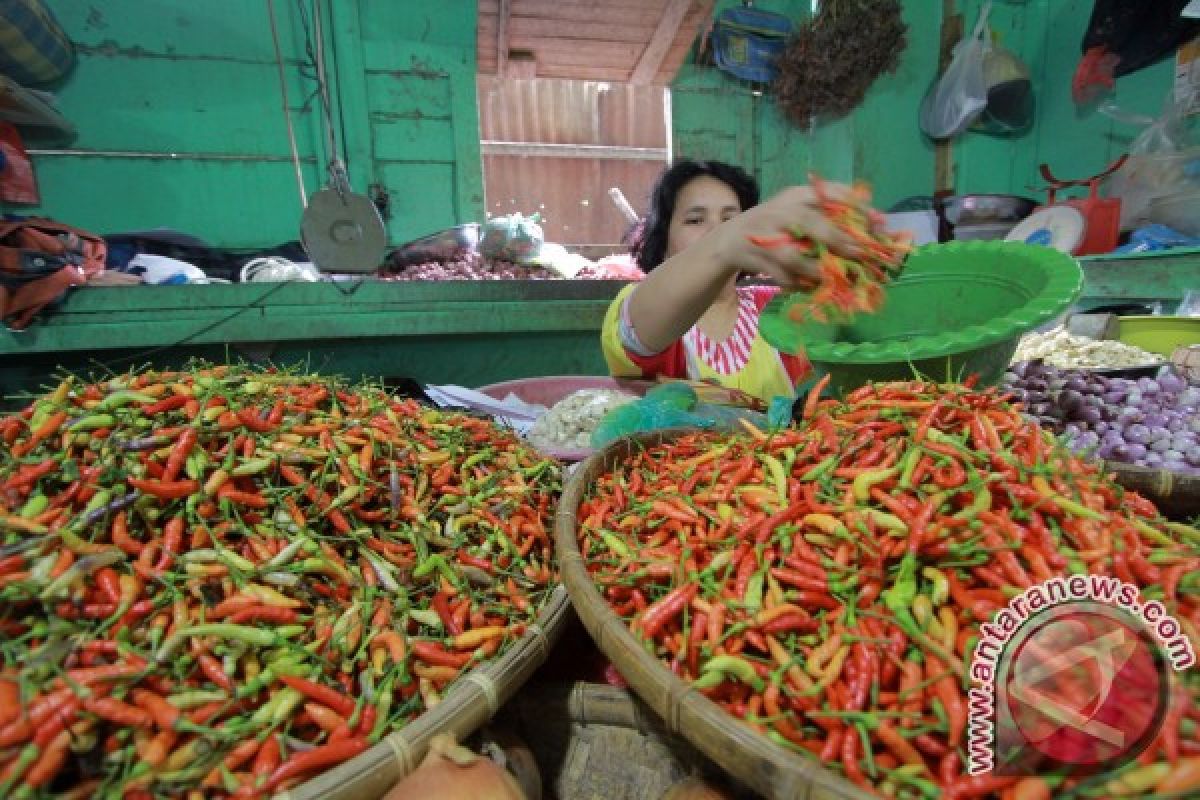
960, 95
1160, 183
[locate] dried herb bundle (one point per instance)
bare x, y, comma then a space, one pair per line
833, 59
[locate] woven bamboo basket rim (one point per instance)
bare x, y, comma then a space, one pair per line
746, 754
471, 701
1174, 492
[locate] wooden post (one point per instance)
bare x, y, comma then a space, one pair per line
943, 154
502, 38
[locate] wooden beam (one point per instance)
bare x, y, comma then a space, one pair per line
943, 150
502, 37
660, 43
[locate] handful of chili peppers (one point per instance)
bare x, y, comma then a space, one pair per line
826, 584
846, 286
219, 582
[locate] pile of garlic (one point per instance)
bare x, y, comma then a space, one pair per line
1061, 349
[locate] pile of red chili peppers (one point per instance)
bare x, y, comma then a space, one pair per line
826, 583
846, 286
219, 582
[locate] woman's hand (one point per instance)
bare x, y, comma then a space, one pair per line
793, 210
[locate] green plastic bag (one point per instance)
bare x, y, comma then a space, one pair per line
676, 405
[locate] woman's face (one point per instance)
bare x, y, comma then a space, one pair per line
703, 203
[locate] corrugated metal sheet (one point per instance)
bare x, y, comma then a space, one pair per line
571, 192
571, 112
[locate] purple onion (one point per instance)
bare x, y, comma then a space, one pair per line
1137, 433
1192, 456
1170, 382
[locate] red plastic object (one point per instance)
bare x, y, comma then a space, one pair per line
1102, 214
1094, 75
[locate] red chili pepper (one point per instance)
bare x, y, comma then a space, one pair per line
164, 714
118, 712
320, 693
172, 403
436, 655
179, 453
166, 490
665, 609
276, 615
315, 759
267, 759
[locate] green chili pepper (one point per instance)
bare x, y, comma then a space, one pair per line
939, 590
778, 477
242, 633
754, 592
124, 398
427, 617
615, 544
93, 422
251, 467
908, 466
735, 667
899, 596
820, 470
34, 506
438, 562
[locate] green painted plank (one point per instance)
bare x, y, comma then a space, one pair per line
889, 151
393, 95
418, 140
1165, 276
452, 22
272, 324
401, 295
232, 29
421, 58
229, 204
181, 106
1075, 142
468, 359
468, 158
422, 199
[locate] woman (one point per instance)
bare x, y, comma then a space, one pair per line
688, 319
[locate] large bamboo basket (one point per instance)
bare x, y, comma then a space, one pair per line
743, 752
1175, 494
470, 702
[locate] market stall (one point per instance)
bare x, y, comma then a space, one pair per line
314, 481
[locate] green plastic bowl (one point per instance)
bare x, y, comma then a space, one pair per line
1159, 334
957, 309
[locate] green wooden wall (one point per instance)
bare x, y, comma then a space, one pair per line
1046, 35
180, 119
718, 117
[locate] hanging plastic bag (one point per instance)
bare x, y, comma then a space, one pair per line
513, 237
1160, 182
1010, 101
960, 95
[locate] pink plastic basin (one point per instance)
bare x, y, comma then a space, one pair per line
549, 390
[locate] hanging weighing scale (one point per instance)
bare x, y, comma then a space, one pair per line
341, 230
1080, 226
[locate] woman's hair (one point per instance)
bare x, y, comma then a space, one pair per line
650, 248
